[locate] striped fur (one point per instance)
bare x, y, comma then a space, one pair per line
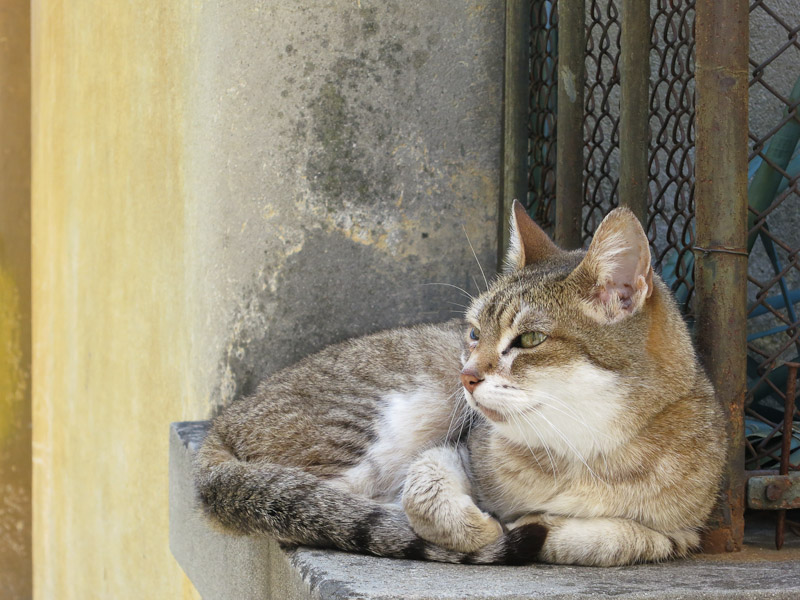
600, 444
297, 507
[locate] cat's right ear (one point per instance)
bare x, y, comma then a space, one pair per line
527, 243
616, 274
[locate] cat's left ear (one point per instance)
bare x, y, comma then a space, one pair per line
527, 242
616, 273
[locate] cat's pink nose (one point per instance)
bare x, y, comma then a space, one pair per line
470, 378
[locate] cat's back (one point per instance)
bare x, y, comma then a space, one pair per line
324, 412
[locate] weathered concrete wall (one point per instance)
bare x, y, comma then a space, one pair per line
15, 302
217, 191
350, 142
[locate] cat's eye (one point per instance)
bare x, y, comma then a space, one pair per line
475, 334
530, 339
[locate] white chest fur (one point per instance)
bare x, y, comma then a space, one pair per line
571, 411
561, 424
410, 422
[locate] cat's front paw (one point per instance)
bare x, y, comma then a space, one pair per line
480, 529
454, 523
436, 498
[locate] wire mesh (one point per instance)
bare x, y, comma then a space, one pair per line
774, 272
542, 108
601, 114
671, 189
671, 123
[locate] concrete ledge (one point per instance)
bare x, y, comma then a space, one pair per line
228, 567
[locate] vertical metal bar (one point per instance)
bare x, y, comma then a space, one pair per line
515, 116
722, 33
569, 152
786, 445
634, 130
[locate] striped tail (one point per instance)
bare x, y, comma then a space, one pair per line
297, 507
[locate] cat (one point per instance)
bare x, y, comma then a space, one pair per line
567, 421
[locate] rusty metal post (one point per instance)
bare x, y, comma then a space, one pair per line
569, 151
515, 115
634, 129
786, 443
722, 33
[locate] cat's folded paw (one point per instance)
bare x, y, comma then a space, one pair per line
456, 524
482, 529
440, 509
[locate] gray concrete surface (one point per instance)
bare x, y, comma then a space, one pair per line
249, 568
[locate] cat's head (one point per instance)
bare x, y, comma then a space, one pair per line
561, 337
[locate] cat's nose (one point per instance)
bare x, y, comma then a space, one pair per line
470, 378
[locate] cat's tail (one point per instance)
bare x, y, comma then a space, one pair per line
297, 507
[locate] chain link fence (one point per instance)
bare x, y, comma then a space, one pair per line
774, 221
671, 124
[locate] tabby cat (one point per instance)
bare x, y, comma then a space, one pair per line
568, 421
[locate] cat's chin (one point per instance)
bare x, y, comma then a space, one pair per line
490, 414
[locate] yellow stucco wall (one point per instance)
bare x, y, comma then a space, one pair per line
109, 337
15, 303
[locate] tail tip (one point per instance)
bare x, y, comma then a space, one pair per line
524, 544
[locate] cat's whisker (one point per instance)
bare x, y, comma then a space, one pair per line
475, 282
591, 430
537, 392
476, 259
450, 426
567, 410
460, 289
544, 445
465, 420
464, 306
522, 434
469, 418
570, 412
458, 409
574, 449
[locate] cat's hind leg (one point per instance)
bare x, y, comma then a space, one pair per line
606, 541
437, 499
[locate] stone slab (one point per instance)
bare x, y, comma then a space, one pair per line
223, 566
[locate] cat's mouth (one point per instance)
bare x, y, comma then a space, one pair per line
490, 413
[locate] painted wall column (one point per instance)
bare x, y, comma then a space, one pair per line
15, 302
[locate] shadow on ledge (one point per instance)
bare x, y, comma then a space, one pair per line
243, 568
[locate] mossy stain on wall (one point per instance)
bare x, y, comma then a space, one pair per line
334, 169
